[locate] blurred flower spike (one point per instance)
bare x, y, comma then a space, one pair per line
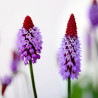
15, 61
93, 13
5, 81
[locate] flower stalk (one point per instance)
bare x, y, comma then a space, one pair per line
69, 87
32, 79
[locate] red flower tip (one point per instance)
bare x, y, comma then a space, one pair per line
3, 89
71, 27
28, 23
94, 2
14, 55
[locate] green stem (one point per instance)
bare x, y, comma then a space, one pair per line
69, 87
32, 79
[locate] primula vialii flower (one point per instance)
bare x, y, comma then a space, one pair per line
69, 52
29, 41
93, 13
15, 62
6, 80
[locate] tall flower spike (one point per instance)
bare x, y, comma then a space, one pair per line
69, 52
30, 45
29, 41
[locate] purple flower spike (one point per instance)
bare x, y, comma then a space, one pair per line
15, 61
29, 41
69, 52
6, 80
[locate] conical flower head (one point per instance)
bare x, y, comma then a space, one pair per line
93, 13
29, 41
71, 27
28, 23
69, 52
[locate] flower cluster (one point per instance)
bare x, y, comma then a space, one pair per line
69, 52
93, 13
6, 80
29, 41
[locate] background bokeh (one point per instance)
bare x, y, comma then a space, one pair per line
51, 16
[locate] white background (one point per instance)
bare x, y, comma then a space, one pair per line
51, 16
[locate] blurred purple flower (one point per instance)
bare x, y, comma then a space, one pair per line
5, 81
93, 13
15, 61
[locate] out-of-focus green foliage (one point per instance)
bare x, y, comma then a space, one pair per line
84, 92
